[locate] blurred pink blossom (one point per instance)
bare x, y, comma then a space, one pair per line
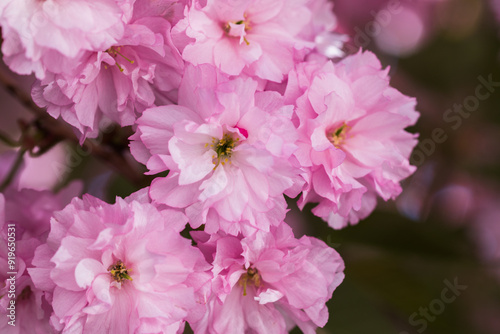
24, 225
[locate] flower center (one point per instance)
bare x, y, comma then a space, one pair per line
224, 149
338, 136
25, 294
238, 29
119, 272
252, 276
115, 51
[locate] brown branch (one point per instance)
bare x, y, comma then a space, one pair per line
58, 128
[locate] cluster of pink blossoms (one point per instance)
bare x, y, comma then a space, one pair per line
242, 102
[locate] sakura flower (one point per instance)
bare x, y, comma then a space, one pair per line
254, 37
120, 268
228, 160
352, 143
42, 35
116, 83
269, 282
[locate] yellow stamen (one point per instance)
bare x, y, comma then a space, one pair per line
227, 27
224, 149
252, 276
338, 136
115, 51
119, 272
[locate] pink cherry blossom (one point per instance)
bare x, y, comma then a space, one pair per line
256, 37
352, 143
228, 161
269, 282
121, 268
117, 83
44, 35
